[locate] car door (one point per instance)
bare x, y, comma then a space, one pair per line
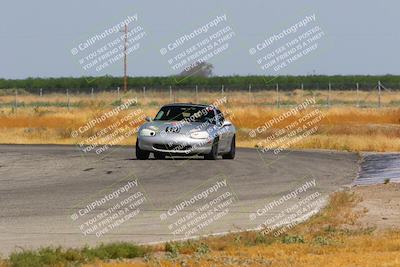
223, 132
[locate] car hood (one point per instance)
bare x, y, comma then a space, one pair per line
183, 127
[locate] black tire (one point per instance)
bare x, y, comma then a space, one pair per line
213, 155
159, 155
141, 154
232, 152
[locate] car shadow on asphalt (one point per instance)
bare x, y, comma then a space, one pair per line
168, 159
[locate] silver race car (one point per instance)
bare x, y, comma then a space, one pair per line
187, 129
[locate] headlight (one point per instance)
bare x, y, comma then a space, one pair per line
199, 135
147, 132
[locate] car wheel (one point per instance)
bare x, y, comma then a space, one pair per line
232, 152
141, 154
159, 156
213, 155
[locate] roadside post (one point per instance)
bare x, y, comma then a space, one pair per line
379, 94
358, 100
68, 103
277, 96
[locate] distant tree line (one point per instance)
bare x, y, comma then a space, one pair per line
313, 82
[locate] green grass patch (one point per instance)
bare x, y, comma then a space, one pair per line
43, 104
71, 257
292, 239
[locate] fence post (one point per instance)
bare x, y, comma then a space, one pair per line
379, 94
118, 92
222, 89
16, 101
197, 94
41, 92
170, 93
329, 94
144, 91
358, 101
302, 86
68, 104
250, 98
277, 96
92, 93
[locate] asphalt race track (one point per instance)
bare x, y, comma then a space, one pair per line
43, 186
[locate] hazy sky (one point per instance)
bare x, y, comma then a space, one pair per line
360, 37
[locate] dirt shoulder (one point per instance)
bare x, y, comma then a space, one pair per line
381, 204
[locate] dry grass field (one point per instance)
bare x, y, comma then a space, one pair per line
52, 119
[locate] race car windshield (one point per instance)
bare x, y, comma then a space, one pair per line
178, 113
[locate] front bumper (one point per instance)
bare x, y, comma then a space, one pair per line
175, 144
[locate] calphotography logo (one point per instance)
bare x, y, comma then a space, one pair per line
199, 209
101, 133
283, 214
111, 210
190, 52
288, 129
108, 47
278, 51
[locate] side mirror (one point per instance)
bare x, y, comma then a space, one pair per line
226, 123
148, 119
